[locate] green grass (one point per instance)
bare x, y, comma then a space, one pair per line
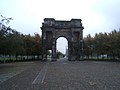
7, 58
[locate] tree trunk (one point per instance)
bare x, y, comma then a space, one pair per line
97, 56
16, 57
10, 57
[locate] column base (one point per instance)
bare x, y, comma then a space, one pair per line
44, 59
53, 59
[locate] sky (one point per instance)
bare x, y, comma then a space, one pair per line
97, 15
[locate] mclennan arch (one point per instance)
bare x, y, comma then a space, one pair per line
72, 30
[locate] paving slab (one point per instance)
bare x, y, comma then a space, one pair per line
66, 75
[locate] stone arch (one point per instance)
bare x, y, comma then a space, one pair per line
66, 37
62, 47
71, 30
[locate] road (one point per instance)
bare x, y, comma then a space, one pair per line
61, 75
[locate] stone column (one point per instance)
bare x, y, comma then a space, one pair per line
81, 45
71, 45
69, 51
54, 51
44, 51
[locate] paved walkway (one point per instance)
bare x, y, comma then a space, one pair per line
65, 75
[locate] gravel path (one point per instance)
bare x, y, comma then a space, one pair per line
66, 75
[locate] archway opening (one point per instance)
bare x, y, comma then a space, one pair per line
49, 55
62, 48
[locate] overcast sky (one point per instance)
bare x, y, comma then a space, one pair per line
97, 15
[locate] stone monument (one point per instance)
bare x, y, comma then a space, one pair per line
72, 30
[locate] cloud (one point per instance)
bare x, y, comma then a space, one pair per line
96, 15
110, 9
